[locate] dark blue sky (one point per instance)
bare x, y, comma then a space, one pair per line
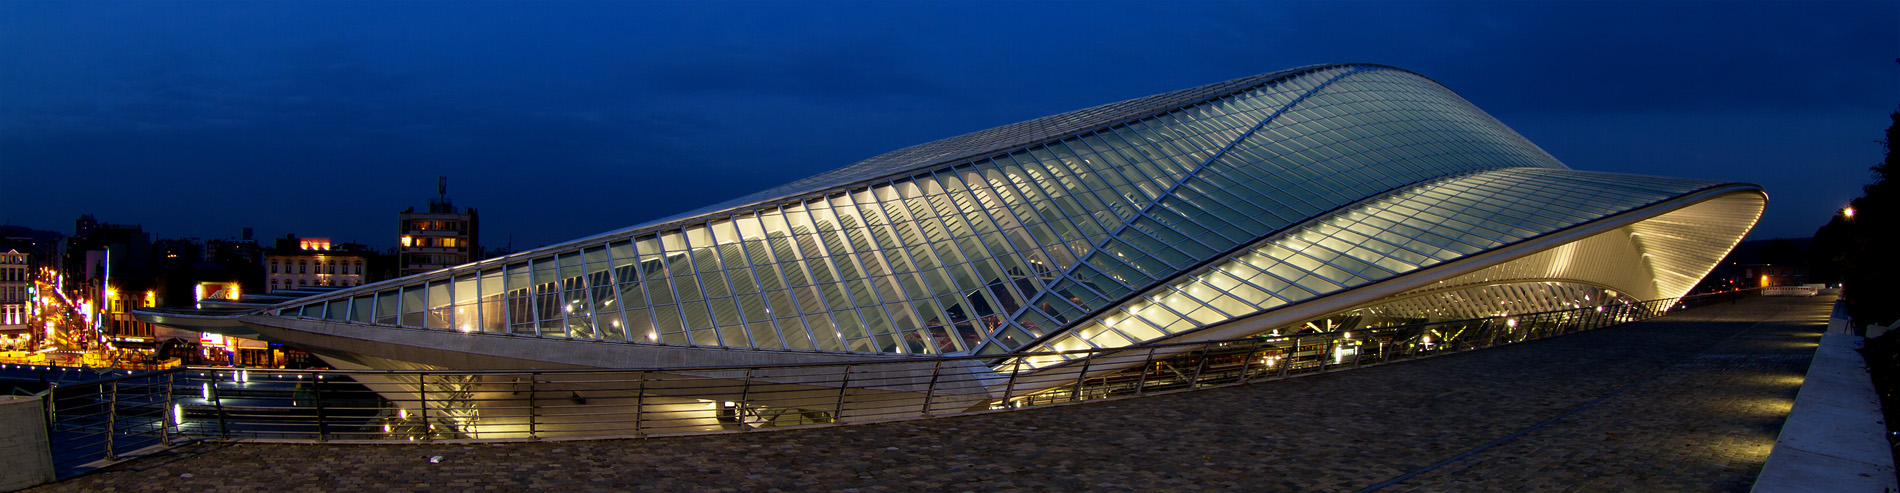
561, 120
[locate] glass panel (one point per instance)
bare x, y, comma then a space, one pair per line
734, 336
796, 338
824, 333
606, 309
672, 328
725, 311
764, 336
336, 309
412, 306
697, 317
520, 301
641, 327
439, 315
547, 300
363, 309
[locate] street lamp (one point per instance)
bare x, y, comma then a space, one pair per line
1848, 212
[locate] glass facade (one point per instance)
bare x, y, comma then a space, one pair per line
1379, 239
1103, 227
1487, 300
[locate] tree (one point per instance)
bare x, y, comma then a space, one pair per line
1862, 249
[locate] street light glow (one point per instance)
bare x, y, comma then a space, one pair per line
1848, 212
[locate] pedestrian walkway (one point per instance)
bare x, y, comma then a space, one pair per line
1689, 401
1701, 423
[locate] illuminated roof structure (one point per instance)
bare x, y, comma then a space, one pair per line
1221, 211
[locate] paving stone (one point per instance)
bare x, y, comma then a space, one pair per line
1692, 401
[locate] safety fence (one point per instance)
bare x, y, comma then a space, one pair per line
93, 423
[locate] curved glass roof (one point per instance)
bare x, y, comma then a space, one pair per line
1383, 238
990, 141
991, 240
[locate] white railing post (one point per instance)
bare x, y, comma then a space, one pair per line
1010, 388
1141, 384
1076, 395
930, 391
837, 412
639, 403
165, 428
1247, 362
422, 396
738, 408
112, 419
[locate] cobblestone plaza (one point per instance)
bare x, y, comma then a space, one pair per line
1692, 401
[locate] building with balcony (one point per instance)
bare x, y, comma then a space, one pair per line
443, 236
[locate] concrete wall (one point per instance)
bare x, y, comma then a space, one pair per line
26, 459
451, 349
527, 404
1835, 437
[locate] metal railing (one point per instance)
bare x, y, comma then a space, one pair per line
93, 423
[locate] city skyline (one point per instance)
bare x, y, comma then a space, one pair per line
196, 120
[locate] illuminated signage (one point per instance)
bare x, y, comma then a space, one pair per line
228, 291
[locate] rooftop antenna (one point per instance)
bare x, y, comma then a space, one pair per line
441, 202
